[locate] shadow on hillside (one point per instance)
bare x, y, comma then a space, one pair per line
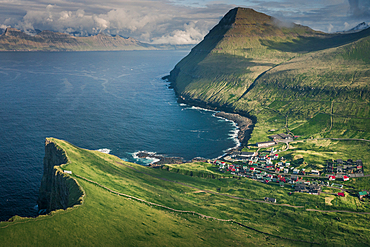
308, 44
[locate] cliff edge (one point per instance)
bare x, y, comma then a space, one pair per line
58, 190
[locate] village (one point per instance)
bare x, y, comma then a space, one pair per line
269, 167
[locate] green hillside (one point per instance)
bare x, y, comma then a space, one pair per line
132, 205
285, 76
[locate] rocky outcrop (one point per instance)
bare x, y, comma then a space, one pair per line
58, 190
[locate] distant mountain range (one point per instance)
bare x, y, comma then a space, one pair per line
12, 39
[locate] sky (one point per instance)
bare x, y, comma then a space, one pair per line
171, 21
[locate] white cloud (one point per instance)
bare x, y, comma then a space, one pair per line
190, 35
153, 22
330, 28
171, 21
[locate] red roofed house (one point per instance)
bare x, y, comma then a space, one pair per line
331, 178
345, 178
341, 194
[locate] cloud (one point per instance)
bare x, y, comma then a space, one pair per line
171, 21
359, 9
190, 35
330, 28
150, 21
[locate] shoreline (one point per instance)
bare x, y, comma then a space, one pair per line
243, 124
243, 129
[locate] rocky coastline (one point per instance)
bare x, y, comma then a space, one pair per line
244, 125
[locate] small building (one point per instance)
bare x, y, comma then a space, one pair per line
362, 194
269, 199
68, 172
345, 178
331, 178
247, 154
315, 172
341, 194
281, 136
265, 144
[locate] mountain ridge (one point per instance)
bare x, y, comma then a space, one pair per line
261, 69
13, 39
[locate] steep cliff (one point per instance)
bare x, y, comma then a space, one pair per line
58, 190
282, 75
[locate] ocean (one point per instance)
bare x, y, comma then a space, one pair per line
111, 100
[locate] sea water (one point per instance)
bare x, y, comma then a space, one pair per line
113, 101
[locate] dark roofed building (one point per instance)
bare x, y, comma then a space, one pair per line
269, 199
281, 136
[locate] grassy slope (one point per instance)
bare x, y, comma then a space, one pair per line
315, 84
108, 219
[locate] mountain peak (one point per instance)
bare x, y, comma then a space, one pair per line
13, 32
359, 27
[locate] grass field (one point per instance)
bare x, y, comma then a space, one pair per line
108, 219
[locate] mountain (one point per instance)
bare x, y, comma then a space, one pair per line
282, 75
15, 40
359, 27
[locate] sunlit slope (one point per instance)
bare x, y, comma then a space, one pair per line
324, 93
252, 63
232, 55
108, 219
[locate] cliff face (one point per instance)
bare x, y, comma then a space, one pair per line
260, 67
58, 190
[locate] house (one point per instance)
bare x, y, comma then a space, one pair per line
294, 178
339, 161
247, 154
269, 199
341, 194
315, 172
362, 194
286, 170
345, 178
296, 171
331, 178
68, 172
265, 144
280, 136
314, 189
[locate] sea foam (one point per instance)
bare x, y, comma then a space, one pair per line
104, 150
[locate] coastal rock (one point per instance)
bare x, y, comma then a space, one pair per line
58, 190
245, 125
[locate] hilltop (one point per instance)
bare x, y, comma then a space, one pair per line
15, 40
283, 75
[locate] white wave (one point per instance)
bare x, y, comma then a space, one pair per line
200, 109
146, 160
104, 150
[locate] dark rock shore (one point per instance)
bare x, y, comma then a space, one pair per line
243, 123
